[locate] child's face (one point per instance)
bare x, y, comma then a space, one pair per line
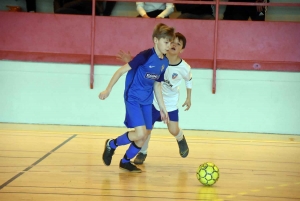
176, 47
163, 45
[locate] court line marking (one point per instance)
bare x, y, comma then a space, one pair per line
36, 162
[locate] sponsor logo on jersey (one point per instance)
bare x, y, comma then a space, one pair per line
174, 75
167, 83
162, 68
151, 76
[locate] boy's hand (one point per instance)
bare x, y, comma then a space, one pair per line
104, 94
145, 16
124, 56
188, 104
164, 116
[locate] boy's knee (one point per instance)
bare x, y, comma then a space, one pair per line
141, 135
174, 131
145, 137
141, 139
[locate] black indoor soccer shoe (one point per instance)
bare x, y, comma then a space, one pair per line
129, 167
108, 153
183, 148
140, 158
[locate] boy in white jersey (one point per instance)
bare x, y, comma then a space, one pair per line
177, 71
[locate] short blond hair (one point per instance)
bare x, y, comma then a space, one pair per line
163, 31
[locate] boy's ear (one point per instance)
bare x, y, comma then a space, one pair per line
155, 40
182, 50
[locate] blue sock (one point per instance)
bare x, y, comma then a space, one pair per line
131, 152
121, 140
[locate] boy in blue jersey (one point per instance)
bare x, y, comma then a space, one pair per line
145, 72
179, 70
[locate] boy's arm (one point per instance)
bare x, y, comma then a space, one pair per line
188, 83
140, 9
188, 101
159, 98
104, 94
169, 9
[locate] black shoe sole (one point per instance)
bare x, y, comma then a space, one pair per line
133, 171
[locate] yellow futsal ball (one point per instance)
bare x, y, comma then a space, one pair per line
208, 174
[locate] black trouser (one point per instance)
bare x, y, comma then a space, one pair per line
30, 5
196, 16
243, 13
109, 6
78, 7
154, 14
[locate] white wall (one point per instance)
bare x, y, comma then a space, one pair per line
245, 101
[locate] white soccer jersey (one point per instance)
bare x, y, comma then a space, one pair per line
170, 87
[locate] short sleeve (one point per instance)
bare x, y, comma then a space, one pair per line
140, 59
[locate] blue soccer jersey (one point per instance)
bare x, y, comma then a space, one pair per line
146, 68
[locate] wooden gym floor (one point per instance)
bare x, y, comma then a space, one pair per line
46, 162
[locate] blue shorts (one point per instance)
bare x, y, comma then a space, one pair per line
138, 115
173, 115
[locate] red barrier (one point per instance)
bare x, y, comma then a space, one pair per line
267, 46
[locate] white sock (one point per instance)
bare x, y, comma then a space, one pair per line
179, 136
144, 148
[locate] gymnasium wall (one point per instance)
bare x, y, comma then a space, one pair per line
129, 9
56, 93
59, 93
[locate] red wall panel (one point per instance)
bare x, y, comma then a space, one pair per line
244, 45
